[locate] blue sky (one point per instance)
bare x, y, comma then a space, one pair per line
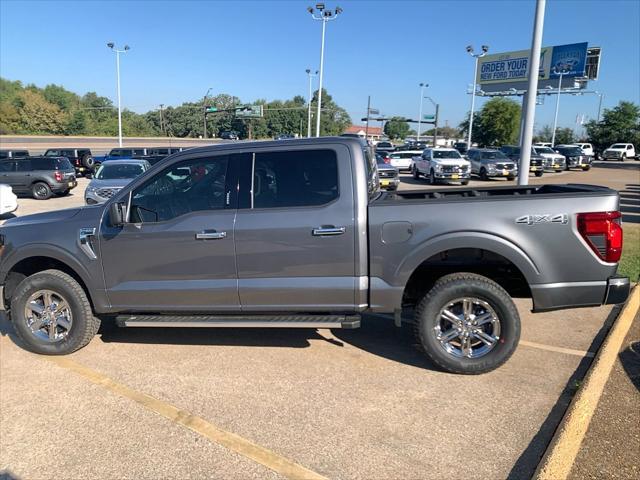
261, 49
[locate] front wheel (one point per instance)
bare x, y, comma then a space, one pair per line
432, 177
623, 157
51, 313
587, 168
467, 324
539, 174
483, 174
414, 173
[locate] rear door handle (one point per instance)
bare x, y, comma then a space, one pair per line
327, 230
210, 235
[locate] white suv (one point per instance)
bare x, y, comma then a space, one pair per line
587, 148
619, 151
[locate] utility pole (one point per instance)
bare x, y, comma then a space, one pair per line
601, 95
422, 87
324, 16
111, 45
485, 49
532, 88
555, 118
435, 132
310, 75
366, 129
161, 119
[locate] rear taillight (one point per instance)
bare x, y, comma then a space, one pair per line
58, 176
603, 233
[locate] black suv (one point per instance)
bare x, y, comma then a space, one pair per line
13, 154
536, 164
40, 177
80, 158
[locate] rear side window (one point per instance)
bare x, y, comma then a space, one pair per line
24, 166
7, 166
138, 151
63, 164
43, 163
295, 179
4, 154
52, 153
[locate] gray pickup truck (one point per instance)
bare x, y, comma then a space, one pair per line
297, 233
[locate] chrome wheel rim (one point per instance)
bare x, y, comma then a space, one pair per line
467, 327
48, 316
41, 191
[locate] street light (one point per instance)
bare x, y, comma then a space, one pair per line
555, 119
111, 45
601, 95
485, 49
310, 75
435, 124
422, 87
204, 112
325, 16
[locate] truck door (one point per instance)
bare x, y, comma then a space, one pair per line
177, 252
295, 240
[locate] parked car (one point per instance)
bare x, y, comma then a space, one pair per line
461, 147
536, 162
39, 176
543, 144
387, 173
306, 219
553, 161
401, 159
285, 136
80, 158
587, 149
13, 154
490, 163
575, 157
385, 147
111, 177
229, 135
121, 154
441, 165
8, 199
619, 151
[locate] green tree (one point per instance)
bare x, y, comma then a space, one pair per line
620, 124
397, 128
444, 132
61, 97
497, 123
39, 116
545, 134
334, 119
565, 136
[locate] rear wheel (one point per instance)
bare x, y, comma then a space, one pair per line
539, 174
467, 324
40, 191
52, 314
414, 173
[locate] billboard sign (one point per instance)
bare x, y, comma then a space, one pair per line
249, 111
503, 71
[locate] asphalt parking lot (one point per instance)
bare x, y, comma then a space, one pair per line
340, 404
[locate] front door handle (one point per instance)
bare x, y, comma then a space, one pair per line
327, 230
210, 235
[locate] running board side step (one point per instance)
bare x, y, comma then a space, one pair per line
240, 321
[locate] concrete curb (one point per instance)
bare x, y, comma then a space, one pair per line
558, 460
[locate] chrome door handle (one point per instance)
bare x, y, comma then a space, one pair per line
210, 235
328, 230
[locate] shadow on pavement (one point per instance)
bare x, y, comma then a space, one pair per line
630, 360
630, 203
627, 165
529, 459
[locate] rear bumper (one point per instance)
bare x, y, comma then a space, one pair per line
557, 296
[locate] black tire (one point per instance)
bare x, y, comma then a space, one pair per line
40, 191
587, 168
414, 173
84, 324
432, 177
511, 177
623, 157
483, 174
455, 286
88, 162
465, 182
539, 174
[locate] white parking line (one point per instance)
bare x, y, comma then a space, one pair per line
568, 351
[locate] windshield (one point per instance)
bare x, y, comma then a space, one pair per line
116, 172
544, 150
619, 145
446, 154
570, 151
493, 155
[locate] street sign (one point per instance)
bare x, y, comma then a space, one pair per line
374, 111
249, 111
210, 109
428, 117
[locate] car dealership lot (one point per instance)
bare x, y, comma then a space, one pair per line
344, 404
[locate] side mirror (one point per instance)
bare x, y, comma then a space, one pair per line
116, 214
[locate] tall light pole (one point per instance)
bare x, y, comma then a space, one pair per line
485, 49
204, 112
324, 16
601, 95
111, 45
435, 124
422, 87
310, 75
555, 118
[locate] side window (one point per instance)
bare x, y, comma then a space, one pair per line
23, 166
6, 166
295, 178
628, 147
52, 153
190, 186
67, 153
